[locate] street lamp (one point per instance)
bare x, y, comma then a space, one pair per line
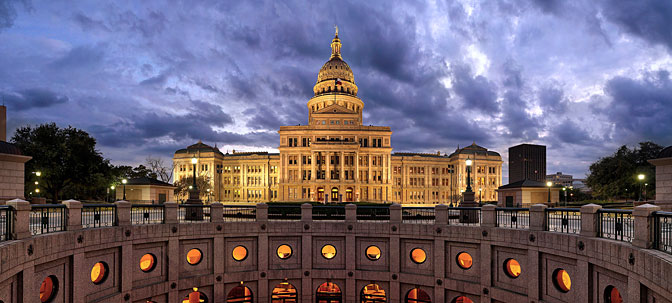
208, 190
194, 160
645, 185
468, 162
549, 184
124, 181
114, 193
480, 196
37, 174
640, 177
564, 189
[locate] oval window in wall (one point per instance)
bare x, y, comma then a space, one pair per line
284, 251
239, 253
48, 289
612, 295
373, 253
418, 255
464, 260
147, 262
512, 268
99, 273
462, 299
561, 280
328, 251
194, 256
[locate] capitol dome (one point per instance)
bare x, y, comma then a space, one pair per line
335, 75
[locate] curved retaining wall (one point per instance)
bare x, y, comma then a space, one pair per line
640, 274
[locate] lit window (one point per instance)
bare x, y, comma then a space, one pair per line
373, 293
561, 280
284, 251
99, 273
239, 253
240, 294
464, 260
512, 268
48, 289
417, 295
147, 262
612, 295
195, 296
373, 252
462, 299
284, 292
328, 251
418, 255
194, 256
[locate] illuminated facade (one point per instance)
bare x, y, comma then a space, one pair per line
335, 157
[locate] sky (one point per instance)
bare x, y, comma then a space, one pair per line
582, 77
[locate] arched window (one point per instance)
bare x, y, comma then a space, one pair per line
328, 292
195, 296
240, 294
417, 295
462, 299
320, 194
612, 295
284, 293
372, 293
334, 194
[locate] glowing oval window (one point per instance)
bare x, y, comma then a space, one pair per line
512, 268
99, 273
373, 253
464, 260
561, 280
612, 295
239, 253
418, 255
462, 299
328, 251
147, 262
284, 251
194, 256
48, 289
195, 296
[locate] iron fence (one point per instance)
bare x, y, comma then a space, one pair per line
6, 222
193, 213
284, 212
513, 217
464, 216
47, 218
564, 220
239, 213
662, 231
373, 213
418, 215
328, 212
616, 224
99, 215
147, 214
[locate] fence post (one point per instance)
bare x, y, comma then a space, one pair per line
262, 212
74, 214
21, 218
538, 217
489, 215
306, 212
123, 213
441, 214
216, 212
395, 213
350, 213
644, 233
590, 220
170, 213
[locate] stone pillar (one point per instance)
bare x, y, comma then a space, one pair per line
170, 213
441, 214
350, 213
538, 217
216, 212
74, 214
489, 215
123, 213
590, 220
262, 212
21, 228
395, 213
306, 212
644, 234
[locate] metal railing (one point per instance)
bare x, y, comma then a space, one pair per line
616, 224
464, 216
328, 212
418, 215
193, 213
99, 215
6, 222
239, 213
662, 231
513, 217
47, 218
284, 212
147, 214
373, 213
564, 220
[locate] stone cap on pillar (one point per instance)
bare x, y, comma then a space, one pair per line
538, 207
306, 212
19, 204
590, 208
72, 204
489, 207
645, 210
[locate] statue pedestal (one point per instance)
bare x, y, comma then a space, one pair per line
193, 212
466, 215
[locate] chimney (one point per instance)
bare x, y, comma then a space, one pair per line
3, 123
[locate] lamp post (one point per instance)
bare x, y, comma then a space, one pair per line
468, 216
640, 177
645, 185
124, 181
468, 163
194, 160
37, 187
114, 193
549, 184
564, 189
480, 195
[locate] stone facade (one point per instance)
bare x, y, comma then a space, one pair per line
664, 178
12, 163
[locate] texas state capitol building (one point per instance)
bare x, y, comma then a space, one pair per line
337, 158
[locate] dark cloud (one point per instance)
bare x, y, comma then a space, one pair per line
649, 19
515, 117
79, 58
32, 98
552, 98
569, 132
8, 12
477, 92
87, 23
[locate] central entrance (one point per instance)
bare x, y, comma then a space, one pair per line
334, 194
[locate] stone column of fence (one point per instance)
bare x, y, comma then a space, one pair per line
590, 220
538, 217
441, 214
216, 212
644, 233
395, 213
170, 210
489, 215
74, 214
350, 213
123, 213
262, 212
21, 218
306, 212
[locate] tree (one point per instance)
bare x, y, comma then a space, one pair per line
615, 176
157, 166
67, 159
128, 172
182, 187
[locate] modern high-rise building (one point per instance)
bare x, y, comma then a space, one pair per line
527, 162
561, 179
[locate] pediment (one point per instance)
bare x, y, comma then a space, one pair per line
335, 109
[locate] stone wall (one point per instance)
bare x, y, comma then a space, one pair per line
11, 176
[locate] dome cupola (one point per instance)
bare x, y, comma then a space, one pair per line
335, 76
